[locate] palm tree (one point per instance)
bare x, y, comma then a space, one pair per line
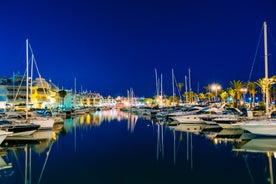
62, 94
209, 96
208, 93
180, 85
223, 96
149, 101
186, 96
231, 92
252, 91
201, 96
264, 84
207, 88
273, 78
236, 87
189, 96
261, 84
174, 100
273, 92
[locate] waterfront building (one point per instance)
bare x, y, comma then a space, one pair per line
41, 93
68, 100
83, 99
44, 94
108, 101
90, 99
13, 91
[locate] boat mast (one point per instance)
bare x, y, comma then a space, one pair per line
161, 87
156, 83
186, 89
75, 91
190, 88
27, 76
32, 71
173, 85
266, 69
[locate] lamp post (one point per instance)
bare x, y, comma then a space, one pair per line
244, 91
215, 88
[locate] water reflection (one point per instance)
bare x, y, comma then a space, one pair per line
131, 121
243, 143
98, 117
113, 146
160, 139
225, 136
111, 115
17, 154
5, 165
179, 143
252, 148
264, 146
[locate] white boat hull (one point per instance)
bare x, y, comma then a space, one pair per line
188, 119
3, 135
45, 123
267, 128
260, 145
185, 127
24, 133
228, 126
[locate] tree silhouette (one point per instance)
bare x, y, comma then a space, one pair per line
62, 94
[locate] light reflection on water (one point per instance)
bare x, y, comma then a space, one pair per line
17, 157
117, 147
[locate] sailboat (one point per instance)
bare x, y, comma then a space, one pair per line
265, 127
44, 122
17, 128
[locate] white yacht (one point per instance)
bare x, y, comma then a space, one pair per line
3, 135
228, 120
185, 111
44, 122
267, 126
202, 116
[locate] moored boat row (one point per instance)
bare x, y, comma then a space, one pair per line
198, 118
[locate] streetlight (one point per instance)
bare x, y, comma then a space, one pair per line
244, 91
216, 88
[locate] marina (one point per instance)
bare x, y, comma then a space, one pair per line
112, 146
137, 92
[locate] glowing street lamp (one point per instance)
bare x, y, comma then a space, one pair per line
244, 91
215, 88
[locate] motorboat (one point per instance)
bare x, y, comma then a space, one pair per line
3, 135
18, 129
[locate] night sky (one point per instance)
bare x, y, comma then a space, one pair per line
112, 46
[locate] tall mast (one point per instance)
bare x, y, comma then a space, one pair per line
27, 76
190, 88
32, 69
266, 69
173, 84
186, 89
156, 83
161, 86
75, 91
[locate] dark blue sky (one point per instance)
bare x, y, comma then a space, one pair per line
111, 46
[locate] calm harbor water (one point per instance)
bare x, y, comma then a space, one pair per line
117, 147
